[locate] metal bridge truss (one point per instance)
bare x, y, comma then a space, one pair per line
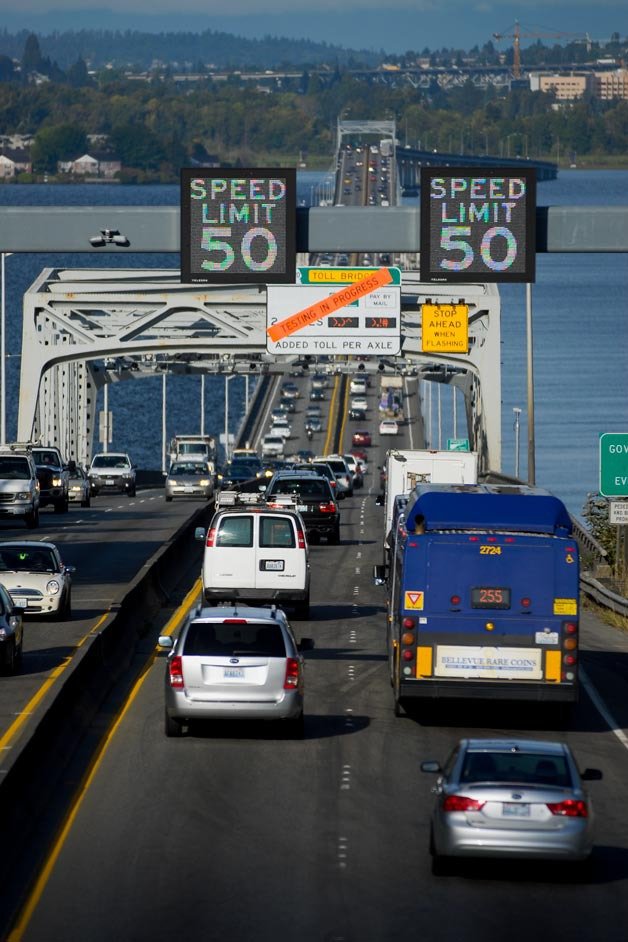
85, 328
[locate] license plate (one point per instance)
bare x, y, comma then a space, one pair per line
301, 508
188, 490
512, 809
233, 673
110, 481
273, 565
20, 602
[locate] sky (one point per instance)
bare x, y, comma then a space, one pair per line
394, 27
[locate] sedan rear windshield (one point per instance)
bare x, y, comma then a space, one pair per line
234, 640
520, 768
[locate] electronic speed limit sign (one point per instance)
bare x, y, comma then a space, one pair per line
478, 223
238, 225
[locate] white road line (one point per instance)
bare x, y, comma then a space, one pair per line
603, 709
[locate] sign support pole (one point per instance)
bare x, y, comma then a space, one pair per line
530, 373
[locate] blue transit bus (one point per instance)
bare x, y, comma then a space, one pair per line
483, 585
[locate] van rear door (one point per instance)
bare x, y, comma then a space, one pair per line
231, 561
280, 561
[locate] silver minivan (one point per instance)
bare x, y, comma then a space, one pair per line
256, 555
234, 662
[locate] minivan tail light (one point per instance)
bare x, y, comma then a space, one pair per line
175, 671
292, 674
301, 539
211, 536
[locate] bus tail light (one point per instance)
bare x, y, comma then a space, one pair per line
570, 659
175, 672
408, 655
409, 624
462, 803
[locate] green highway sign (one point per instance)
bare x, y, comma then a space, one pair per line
614, 464
458, 444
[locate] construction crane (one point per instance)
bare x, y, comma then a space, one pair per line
517, 36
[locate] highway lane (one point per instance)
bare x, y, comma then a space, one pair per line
108, 543
236, 833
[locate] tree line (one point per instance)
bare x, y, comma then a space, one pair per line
157, 126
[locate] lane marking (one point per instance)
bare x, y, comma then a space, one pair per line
602, 709
11, 733
84, 785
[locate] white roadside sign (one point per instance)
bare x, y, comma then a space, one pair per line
618, 512
368, 326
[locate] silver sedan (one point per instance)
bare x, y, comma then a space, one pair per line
189, 479
510, 798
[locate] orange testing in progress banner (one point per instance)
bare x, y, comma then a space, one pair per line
331, 304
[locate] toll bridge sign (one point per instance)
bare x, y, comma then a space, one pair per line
478, 224
238, 226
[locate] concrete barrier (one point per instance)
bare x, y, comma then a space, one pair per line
33, 767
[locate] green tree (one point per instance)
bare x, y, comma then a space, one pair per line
60, 142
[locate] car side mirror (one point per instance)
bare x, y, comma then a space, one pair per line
591, 775
166, 641
71, 466
70, 569
379, 575
430, 766
379, 501
306, 644
199, 534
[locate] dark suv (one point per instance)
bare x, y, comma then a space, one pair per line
314, 500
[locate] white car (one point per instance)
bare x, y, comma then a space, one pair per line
281, 427
359, 402
388, 427
272, 446
36, 578
358, 386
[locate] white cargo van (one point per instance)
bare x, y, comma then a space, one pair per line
256, 555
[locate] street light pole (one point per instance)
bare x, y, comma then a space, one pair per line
202, 403
3, 355
163, 422
530, 374
517, 412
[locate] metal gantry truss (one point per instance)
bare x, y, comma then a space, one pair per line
84, 328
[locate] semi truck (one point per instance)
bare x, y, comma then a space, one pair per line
391, 396
403, 470
194, 447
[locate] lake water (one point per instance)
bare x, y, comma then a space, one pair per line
580, 314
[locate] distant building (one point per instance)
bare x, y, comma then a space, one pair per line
611, 85
93, 164
13, 162
568, 87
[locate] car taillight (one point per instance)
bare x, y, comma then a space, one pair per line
301, 539
292, 674
328, 508
211, 536
570, 808
462, 803
175, 671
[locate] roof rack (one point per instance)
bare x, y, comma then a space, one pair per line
20, 447
232, 498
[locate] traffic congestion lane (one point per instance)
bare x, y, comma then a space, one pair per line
249, 821
108, 543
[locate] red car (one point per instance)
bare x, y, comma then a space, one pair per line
361, 437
